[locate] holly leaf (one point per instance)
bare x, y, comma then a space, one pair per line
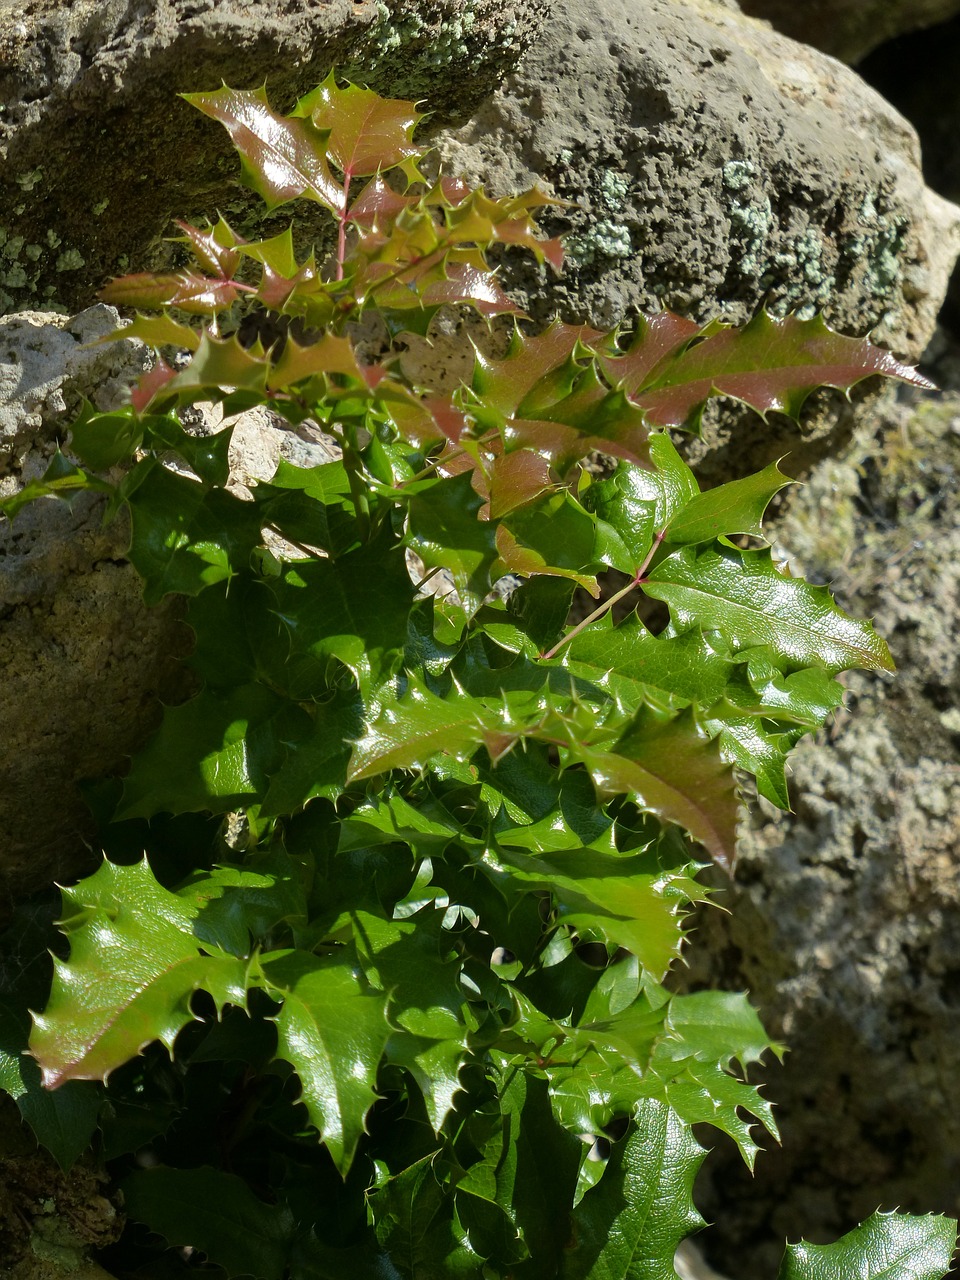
217, 1214
333, 1031
621, 897
416, 1227
887, 1246
744, 595
215, 752
282, 157
446, 532
135, 963
186, 537
628, 1226
366, 133
736, 507
768, 364
668, 766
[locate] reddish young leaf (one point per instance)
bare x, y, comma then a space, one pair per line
151, 385
769, 365
506, 383
516, 479
367, 133
217, 249
282, 157
378, 204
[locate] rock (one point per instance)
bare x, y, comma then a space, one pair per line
82, 661
98, 153
716, 165
845, 922
849, 29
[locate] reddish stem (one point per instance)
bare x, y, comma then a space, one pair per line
342, 234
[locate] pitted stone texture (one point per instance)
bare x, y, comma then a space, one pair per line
716, 165
82, 661
849, 29
845, 922
98, 152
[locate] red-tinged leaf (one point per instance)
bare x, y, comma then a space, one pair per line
378, 203
506, 383
425, 420
367, 133
135, 964
654, 338
669, 766
143, 289
282, 157
217, 249
564, 445
515, 480
479, 288
151, 385
769, 365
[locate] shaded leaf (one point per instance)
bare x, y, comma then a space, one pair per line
215, 1213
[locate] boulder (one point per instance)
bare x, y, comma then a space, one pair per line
97, 153
715, 166
849, 29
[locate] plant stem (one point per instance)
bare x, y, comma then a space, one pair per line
638, 578
342, 234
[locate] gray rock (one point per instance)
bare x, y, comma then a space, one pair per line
82, 661
715, 165
845, 921
849, 29
98, 153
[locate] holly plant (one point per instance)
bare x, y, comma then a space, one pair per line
373, 979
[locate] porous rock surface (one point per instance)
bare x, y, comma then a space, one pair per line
82, 660
849, 29
845, 915
97, 153
715, 166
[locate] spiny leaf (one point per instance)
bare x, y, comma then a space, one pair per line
668, 765
215, 1213
736, 507
282, 157
333, 1032
768, 364
744, 595
367, 133
416, 1226
628, 1227
887, 1246
135, 963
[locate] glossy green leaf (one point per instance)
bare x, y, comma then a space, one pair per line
887, 1246
217, 1214
744, 595
447, 533
628, 1227
332, 1031
668, 765
135, 963
736, 507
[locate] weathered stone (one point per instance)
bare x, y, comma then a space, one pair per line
849, 29
716, 166
98, 153
845, 922
82, 661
